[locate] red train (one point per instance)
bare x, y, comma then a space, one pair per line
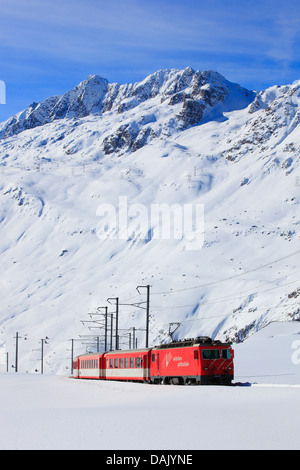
199, 361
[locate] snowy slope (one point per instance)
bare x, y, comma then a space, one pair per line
143, 142
54, 412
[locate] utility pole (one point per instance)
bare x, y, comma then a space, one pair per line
147, 311
105, 330
17, 352
72, 355
42, 353
100, 323
116, 299
111, 331
42, 357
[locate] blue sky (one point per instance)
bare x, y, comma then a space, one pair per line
48, 47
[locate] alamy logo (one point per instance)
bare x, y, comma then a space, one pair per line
296, 353
2, 92
136, 222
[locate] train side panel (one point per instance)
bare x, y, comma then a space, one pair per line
91, 366
132, 365
191, 365
174, 363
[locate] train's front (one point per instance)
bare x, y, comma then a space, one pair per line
217, 364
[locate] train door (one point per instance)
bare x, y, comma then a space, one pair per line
76, 368
145, 364
154, 365
102, 366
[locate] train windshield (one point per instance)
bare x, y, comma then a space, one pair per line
226, 354
211, 354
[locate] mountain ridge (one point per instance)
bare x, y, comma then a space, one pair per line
196, 91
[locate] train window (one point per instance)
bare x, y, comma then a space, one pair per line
132, 362
126, 362
121, 363
195, 353
226, 354
153, 357
211, 354
116, 363
111, 365
137, 362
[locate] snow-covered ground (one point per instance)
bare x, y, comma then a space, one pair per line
262, 412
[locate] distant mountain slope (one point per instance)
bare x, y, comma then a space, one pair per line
179, 138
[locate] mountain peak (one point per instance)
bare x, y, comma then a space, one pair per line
196, 92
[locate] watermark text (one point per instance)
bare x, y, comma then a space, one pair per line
135, 222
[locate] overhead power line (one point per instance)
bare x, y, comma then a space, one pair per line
173, 291
228, 298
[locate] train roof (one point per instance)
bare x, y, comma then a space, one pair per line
184, 343
127, 351
111, 353
199, 341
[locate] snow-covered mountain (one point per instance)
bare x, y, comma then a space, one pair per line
178, 137
199, 94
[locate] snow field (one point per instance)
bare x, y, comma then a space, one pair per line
56, 412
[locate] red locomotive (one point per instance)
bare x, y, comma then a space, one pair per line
194, 361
